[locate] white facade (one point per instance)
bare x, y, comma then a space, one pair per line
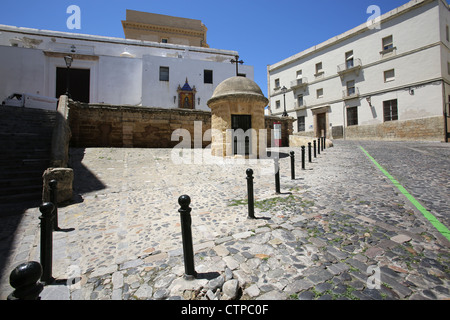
351, 79
121, 71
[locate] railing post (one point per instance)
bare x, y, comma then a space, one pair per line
324, 143
292, 155
25, 281
53, 184
188, 251
250, 195
46, 241
321, 143
303, 157
277, 175
309, 152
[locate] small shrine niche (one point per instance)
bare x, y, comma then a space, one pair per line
186, 96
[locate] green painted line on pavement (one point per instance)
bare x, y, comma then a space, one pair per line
430, 217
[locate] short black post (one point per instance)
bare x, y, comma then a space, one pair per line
277, 175
309, 152
318, 145
324, 143
53, 184
46, 241
303, 157
25, 280
188, 250
321, 143
292, 155
314, 142
250, 195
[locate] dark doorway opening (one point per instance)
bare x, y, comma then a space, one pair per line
321, 125
79, 83
241, 134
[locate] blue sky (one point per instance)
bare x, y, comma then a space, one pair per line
262, 31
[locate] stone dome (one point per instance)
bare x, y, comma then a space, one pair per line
238, 86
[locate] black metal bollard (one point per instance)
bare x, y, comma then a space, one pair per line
309, 152
314, 141
188, 251
292, 154
53, 184
25, 280
318, 145
321, 143
303, 157
277, 175
46, 241
250, 195
324, 143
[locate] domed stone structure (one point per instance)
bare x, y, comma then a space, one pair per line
237, 118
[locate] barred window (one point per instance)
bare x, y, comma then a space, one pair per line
301, 123
390, 110
163, 73
352, 116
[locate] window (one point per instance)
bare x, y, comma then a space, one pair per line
277, 83
319, 93
164, 40
447, 33
389, 75
163, 73
300, 100
390, 110
300, 123
448, 68
207, 76
349, 59
352, 116
319, 68
298, 74
277, 104
388, 43
350, 87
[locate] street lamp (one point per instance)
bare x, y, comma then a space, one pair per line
284, 90
68, 60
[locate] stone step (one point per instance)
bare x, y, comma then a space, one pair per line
34, 196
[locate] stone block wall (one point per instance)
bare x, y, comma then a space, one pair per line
431, 129
99, 125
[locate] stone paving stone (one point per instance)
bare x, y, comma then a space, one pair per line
320, 238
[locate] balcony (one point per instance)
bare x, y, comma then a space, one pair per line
350, 93
353, 65
299, 83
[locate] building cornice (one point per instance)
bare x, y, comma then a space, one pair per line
113, 40
165, 29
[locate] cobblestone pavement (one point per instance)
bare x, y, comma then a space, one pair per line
340, 230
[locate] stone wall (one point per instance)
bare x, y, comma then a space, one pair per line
428, 129
100, 125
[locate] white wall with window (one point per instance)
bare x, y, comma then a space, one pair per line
121, 71
353, 73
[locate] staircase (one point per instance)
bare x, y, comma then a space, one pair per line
25, 142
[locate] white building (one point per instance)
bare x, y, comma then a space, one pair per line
110, 70
385, 81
